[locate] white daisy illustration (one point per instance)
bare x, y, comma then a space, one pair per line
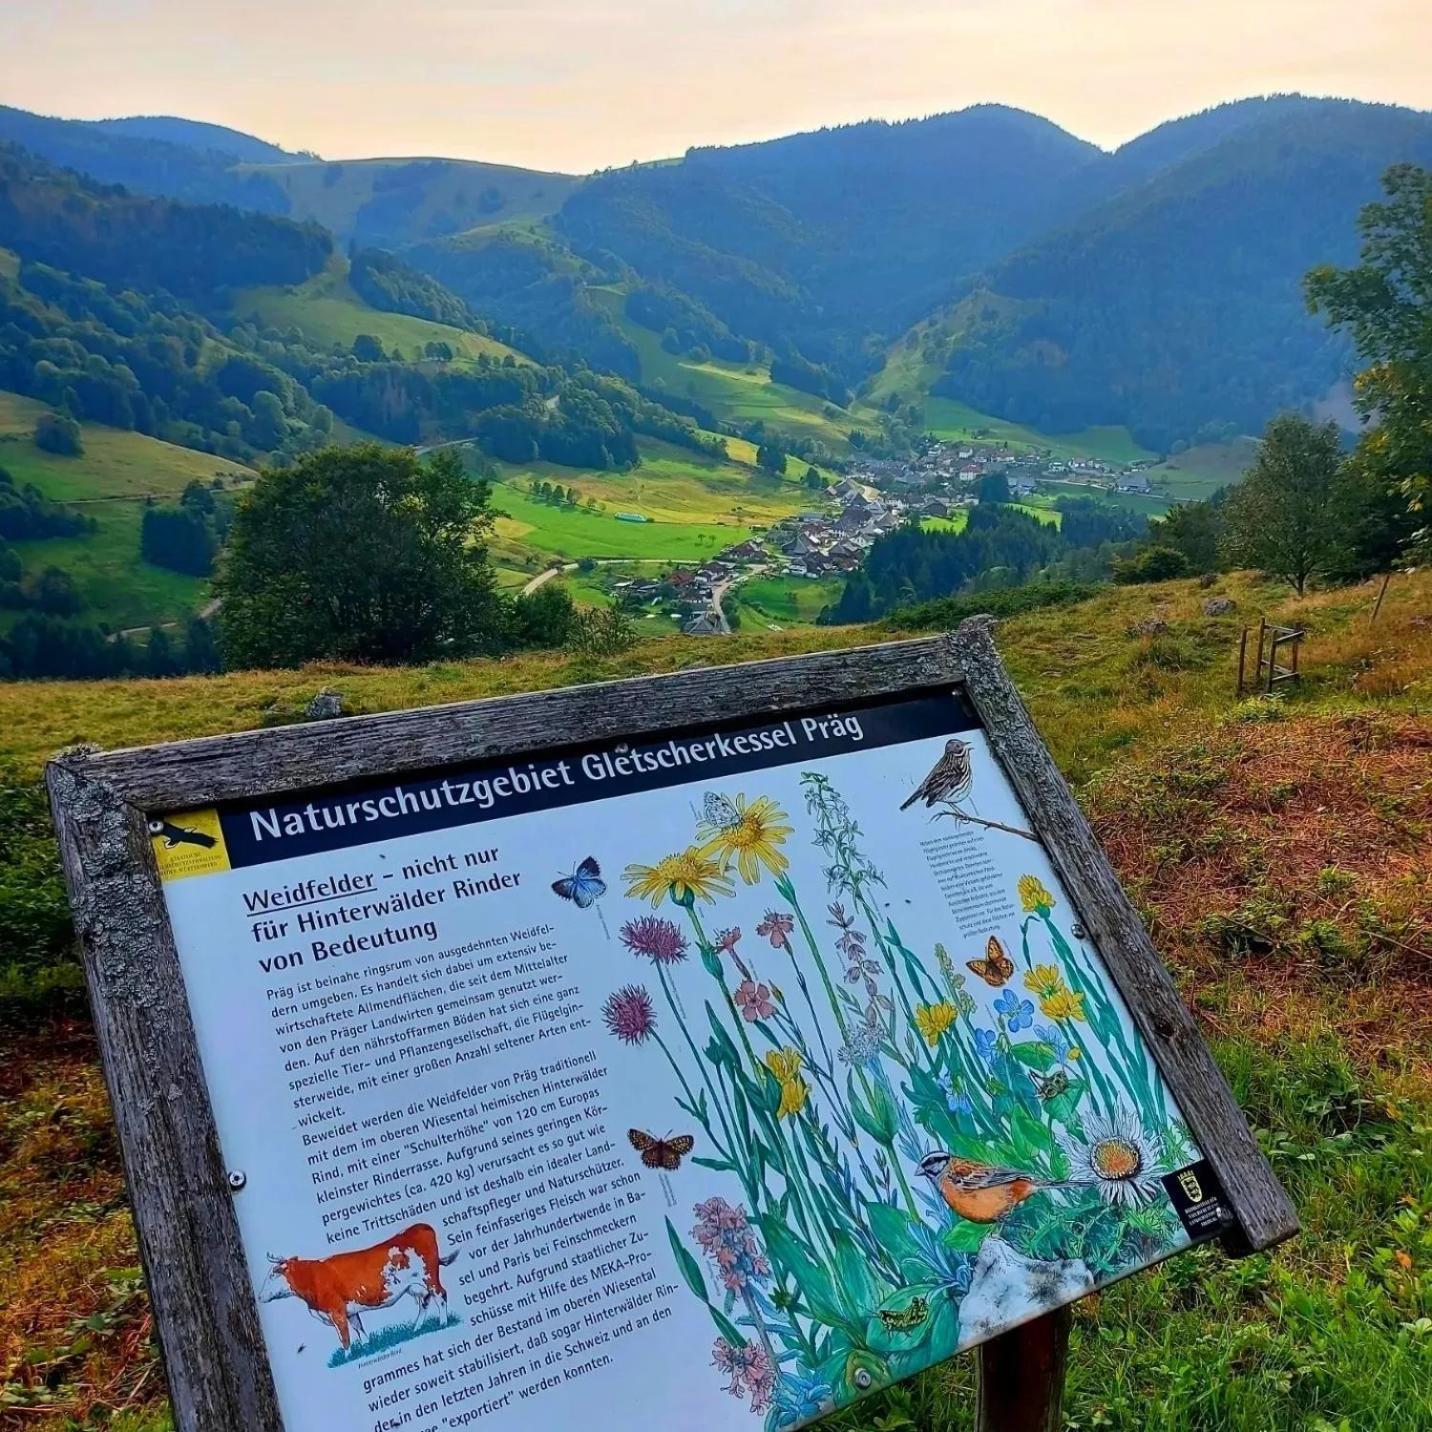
1118, 1159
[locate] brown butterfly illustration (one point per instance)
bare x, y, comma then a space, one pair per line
996, 967
661, 1153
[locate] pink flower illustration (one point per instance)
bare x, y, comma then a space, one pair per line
658, 940
754, 1001
629, 1014
776, 928
750, 1370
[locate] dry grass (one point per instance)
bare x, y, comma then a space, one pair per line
1281, 851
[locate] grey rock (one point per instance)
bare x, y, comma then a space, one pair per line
327, 705
1218, 606
1007, 1287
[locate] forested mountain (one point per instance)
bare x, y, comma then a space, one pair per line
1176, 307
1155, 287
164, 167
246, 148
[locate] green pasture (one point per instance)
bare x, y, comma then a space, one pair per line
579, 532
954, 421
109, 481
786, 601
327, 311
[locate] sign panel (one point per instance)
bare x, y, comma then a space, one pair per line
708, 1080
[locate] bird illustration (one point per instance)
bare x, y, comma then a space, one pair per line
949, 779
979, 1192
180, 835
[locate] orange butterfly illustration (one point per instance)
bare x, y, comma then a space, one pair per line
996, 967
661, 1153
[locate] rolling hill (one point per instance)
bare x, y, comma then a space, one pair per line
1155, 288
111, 481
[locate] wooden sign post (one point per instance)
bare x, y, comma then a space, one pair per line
711, 1049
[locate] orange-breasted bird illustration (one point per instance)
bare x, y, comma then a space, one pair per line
980, 1192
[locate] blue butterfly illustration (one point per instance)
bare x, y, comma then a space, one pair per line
583, 886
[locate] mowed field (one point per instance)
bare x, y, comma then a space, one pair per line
784, 601
696, 505
110, 482
327, 311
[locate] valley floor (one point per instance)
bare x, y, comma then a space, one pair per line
1281, 850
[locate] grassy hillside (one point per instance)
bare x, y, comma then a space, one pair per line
737, 393
394, 201
111, 480
1280, 851
917, 359
326, 310
695, 505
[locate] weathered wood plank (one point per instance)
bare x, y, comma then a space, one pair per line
189, 1238
1264, 1212
293, 758
1021, 1376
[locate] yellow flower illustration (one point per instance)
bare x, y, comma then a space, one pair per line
1033, 896
1063, 1004
934, 1019
751, 840
1044, 980
686, 877
785, 1064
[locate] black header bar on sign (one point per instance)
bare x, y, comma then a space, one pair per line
339, 818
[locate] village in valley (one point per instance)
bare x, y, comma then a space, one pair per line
875, 496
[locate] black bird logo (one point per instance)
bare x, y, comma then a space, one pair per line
178, 835
949, 779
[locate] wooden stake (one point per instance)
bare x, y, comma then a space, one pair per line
1382, 592
1021, 1381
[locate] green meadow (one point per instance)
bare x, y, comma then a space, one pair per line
737, 393
110, 482
785, 601
327, 311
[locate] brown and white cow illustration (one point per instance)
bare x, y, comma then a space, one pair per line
339, 1288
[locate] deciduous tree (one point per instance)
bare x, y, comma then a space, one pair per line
364, 553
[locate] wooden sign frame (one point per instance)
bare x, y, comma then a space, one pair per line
204, 1305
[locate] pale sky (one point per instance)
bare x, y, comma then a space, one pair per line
578, 84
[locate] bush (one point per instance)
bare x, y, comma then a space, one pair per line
1153, 564
58, 434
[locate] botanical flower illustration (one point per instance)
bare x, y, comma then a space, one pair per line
1017, 1013
726, 1238
754, 1001
658, 940
1033, 896
933, 1020
1063, 1004
751, 840
629, 1014
819, 1110
1043, 980
750, 1369
776, 928
1118, 1159
685, 878
785, 1064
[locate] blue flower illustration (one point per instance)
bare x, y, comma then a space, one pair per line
985, 1042
958, 1102
1018, 1013
1046, 1034
799, 1397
